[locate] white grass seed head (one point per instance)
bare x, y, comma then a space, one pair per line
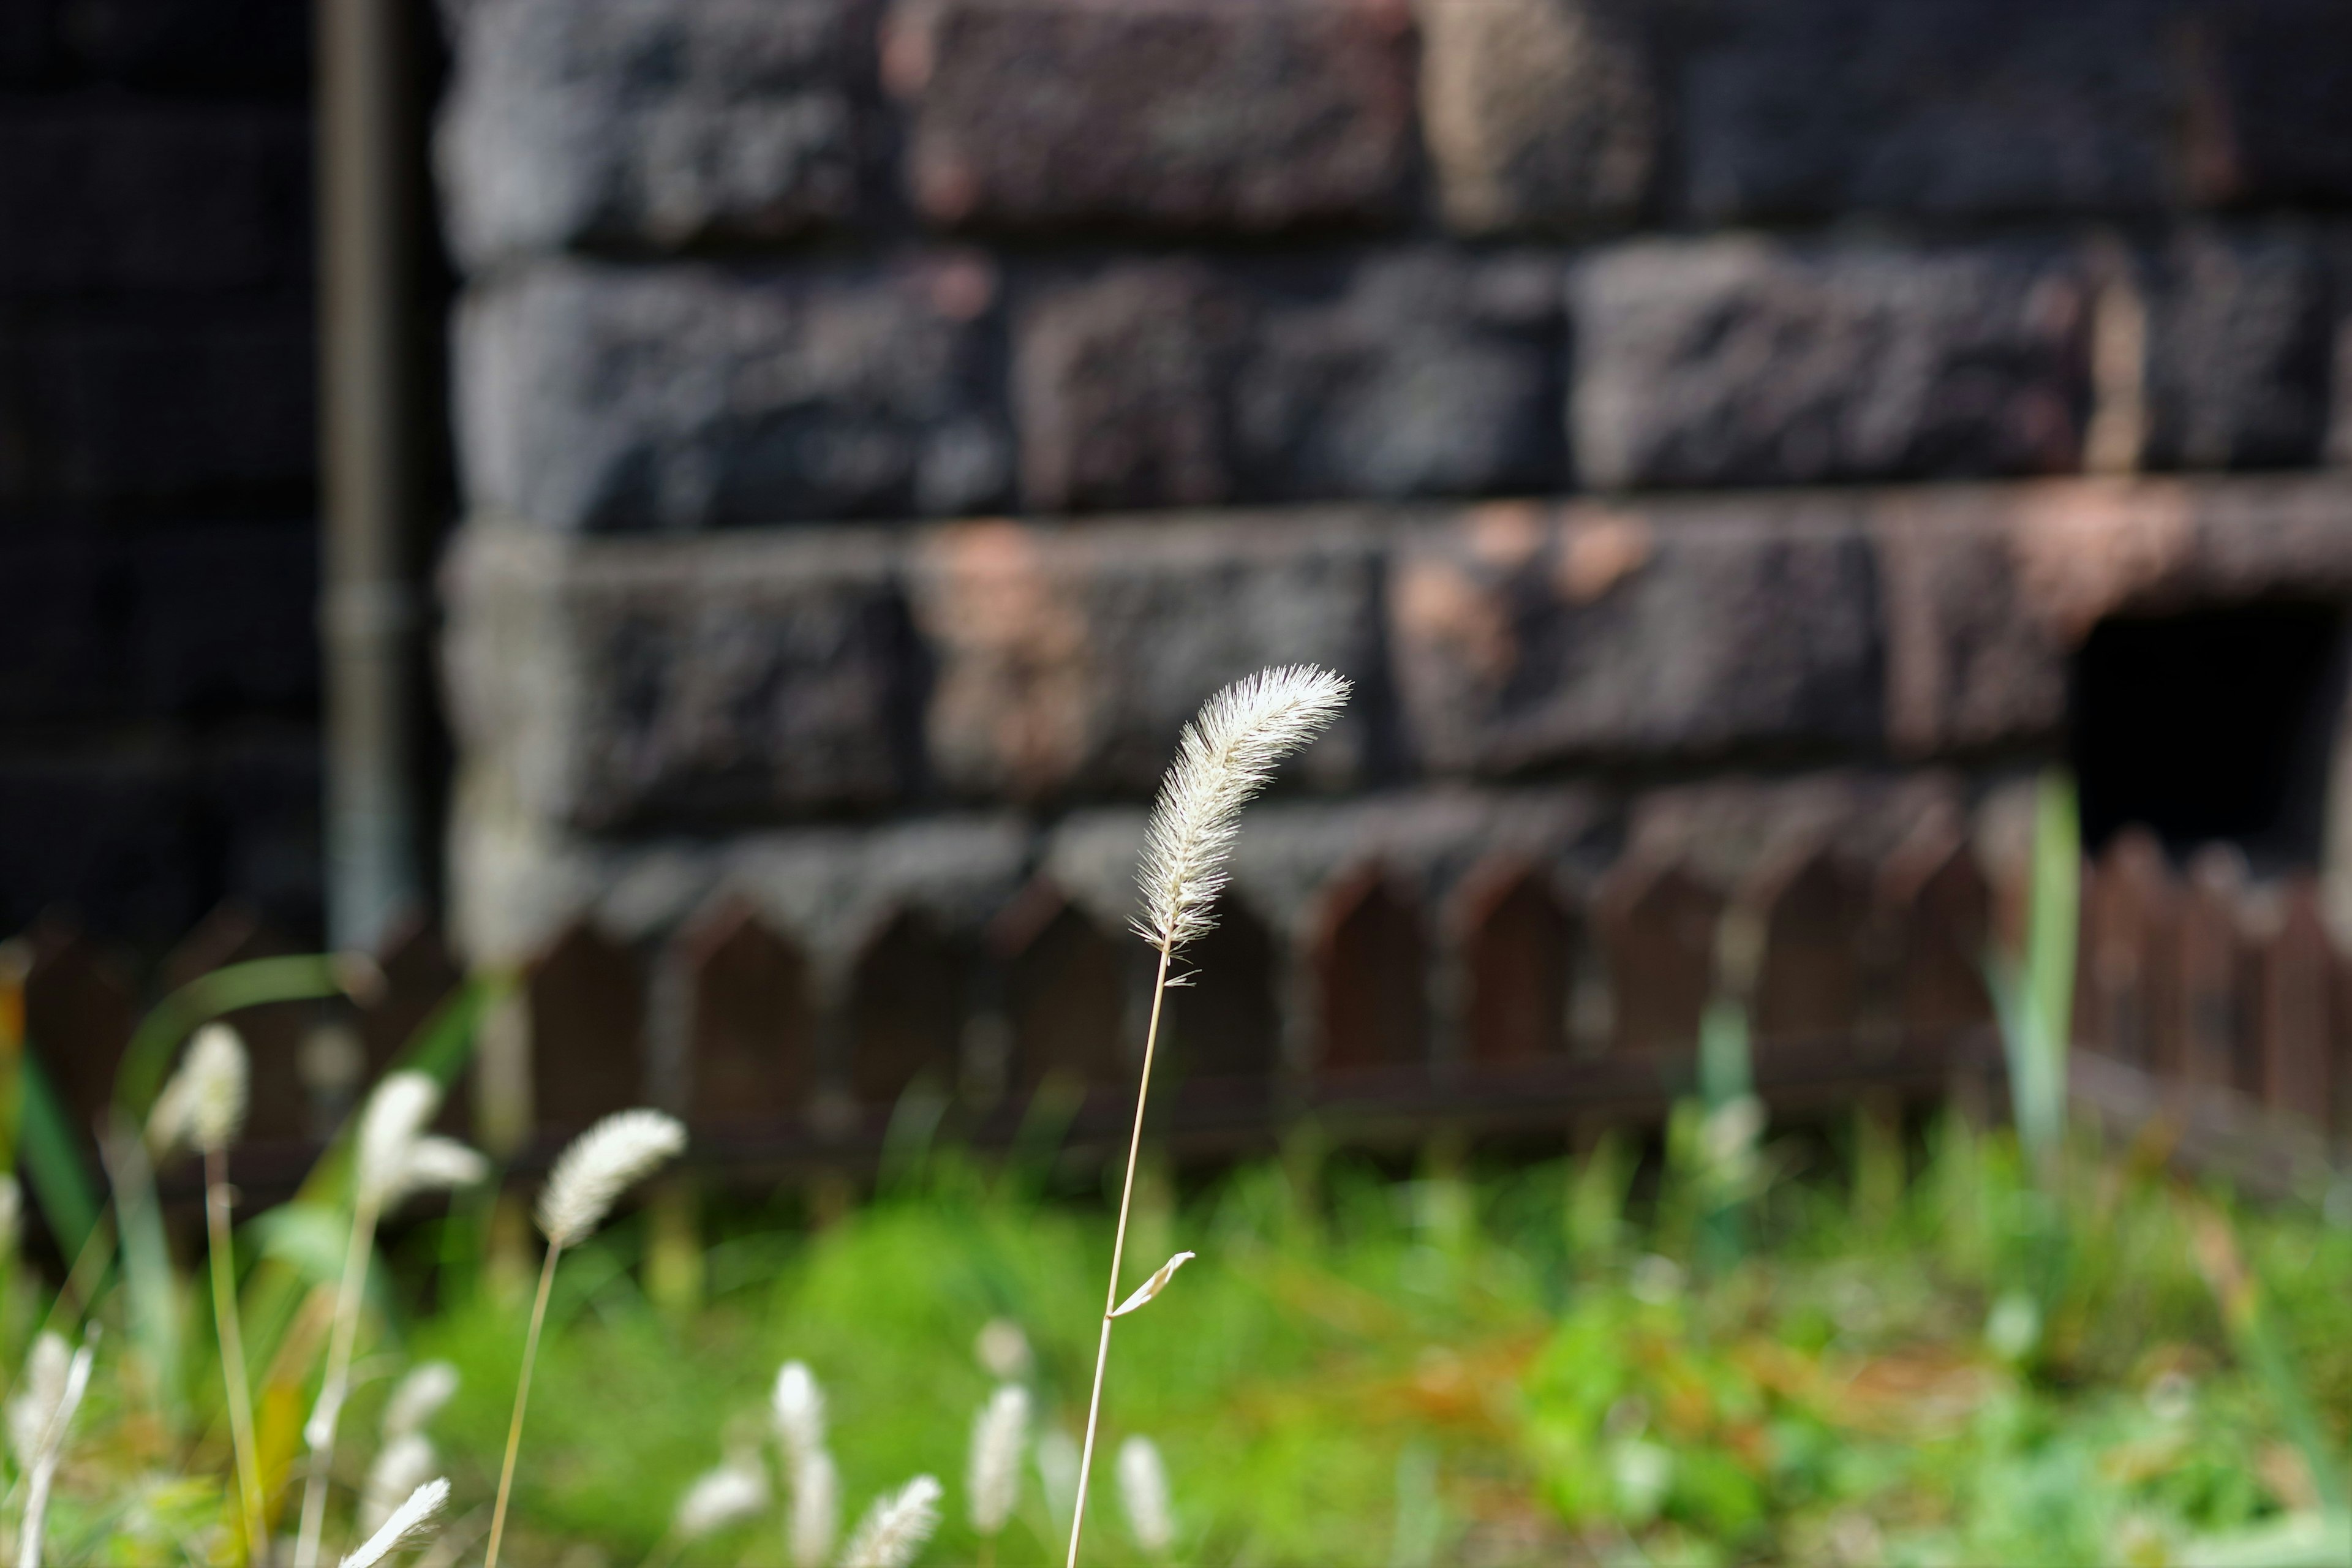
429, 1385
394, 1119
403, 1464
815, 1522
1224, 758
1144, 1492
203, 1104
408, 1524
1000, 1433
601, 1164
728, 1494
1003, 1351
40, 1390
896, 1526
800, 1410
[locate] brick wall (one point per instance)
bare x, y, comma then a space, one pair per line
1623, 393
158, 680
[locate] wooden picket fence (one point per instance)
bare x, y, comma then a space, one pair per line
2216, 1015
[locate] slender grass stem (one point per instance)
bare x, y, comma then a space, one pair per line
522, 1398
1118, 1252
336, 1385
232, 1346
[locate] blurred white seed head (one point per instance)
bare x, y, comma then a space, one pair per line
800, 1410
12, 1213
998, 1434
429, 1385
434, 1164
1058, 1462
815, 1518
403, 1464
896, 1526
1225, 756
601, 1164
408, 1524
41, 1389
203, 1104
1154, 1286
728, 1494
394, 1119
1143, 1493
1003, 1350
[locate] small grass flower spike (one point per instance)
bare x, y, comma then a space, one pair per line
1000, 1435
49, 1392
407, 1526
203, 1108
1144, 1492
395, 1161
601, 1164
896, 1526
813, 1520
1224, 757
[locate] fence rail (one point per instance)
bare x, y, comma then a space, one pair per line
1523, 1000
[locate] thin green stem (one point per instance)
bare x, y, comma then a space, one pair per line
522, 1398
320, 1432
232, 1346
1118, 1253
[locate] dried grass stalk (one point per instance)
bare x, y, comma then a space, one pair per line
1224, 757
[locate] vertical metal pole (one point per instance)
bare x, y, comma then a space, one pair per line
369, 461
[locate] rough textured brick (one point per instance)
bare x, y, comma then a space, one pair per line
1122, 383
2238, 329
607, 399
1416, 373
1747, 361
723, 680
1958, 108
1527, 639
2272, 91
97, 193
1186, 114
1538, 113
189, 47
1066, 657
224, 618
651, 121
149, 403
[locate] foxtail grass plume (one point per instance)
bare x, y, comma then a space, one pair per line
1003, 1351
800, 1410
896, 1526
429, 1385
1143, 1493
814, 1520
406, 1527
601, 1164
38, 1420
1226, 756
1058, 1473
725, 1495
397, 1159
403, 1464
998, 1434
1154, 1286
203, 1104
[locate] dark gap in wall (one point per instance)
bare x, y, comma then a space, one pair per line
2215, 724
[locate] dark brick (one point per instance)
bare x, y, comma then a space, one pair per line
98, 193
1067, 657
224, 618
2272, 105
2238, 329
1247, 115
1528, 638
1121, 387
189, 46
719, 680
62, 598
148, 404
119, 844
610, 398
1958, 108
1538, 113
651, 121
1747, 361
260, 792
1419, 373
